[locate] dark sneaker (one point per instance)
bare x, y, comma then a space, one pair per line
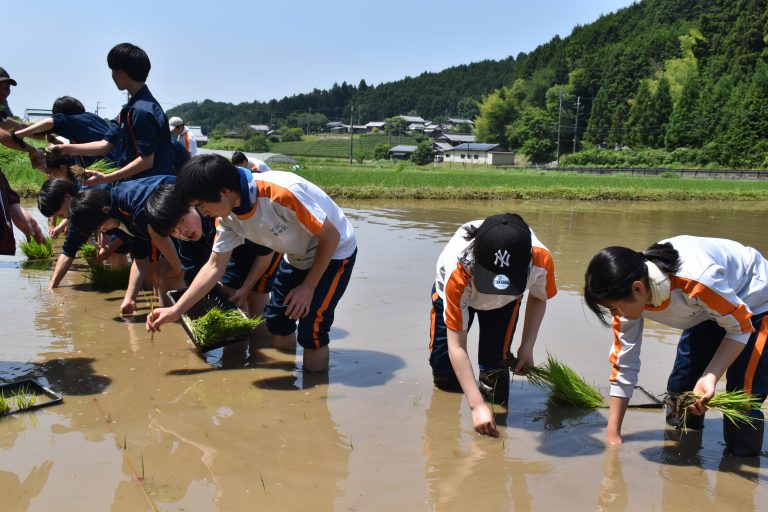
494, 385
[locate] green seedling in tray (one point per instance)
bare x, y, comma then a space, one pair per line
24, 398
4, 407
37, 251
218, 323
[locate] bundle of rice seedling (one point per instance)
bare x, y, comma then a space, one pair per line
564, 384
24, 398
733, 405
89, 251
218, 323
107, 278
36, 251
102, 165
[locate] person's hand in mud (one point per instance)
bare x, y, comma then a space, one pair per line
160, 316
705, 388
298, 300
128, 306
482, 419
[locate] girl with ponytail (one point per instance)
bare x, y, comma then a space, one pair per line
716, 291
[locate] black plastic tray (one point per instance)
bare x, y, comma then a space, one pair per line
44, 397
215, 298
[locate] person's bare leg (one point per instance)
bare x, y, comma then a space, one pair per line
284, 343
316, 360
256, 303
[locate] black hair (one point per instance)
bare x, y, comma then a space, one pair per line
52, 194
612, 271
238, 157
163, 210
86, 210
67, 105
204, 177
131, 59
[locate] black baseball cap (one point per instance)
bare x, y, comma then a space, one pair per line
5, 77
502, 255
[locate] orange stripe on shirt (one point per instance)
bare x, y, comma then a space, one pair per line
714, 300
754, 357
613, 358
326, 302
454, 289
543, 259
285, 198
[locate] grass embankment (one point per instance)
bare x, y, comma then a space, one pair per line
407, 181
23, 178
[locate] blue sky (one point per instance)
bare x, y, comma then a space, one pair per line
237, 51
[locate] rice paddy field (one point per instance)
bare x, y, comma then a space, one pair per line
151, 423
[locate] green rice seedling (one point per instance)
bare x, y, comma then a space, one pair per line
89, 251
23, 398
733, 405
103, 165
37, 251
562, 383
4, 407
107, 278
218, 323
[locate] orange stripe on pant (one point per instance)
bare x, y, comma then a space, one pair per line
754, 357
326, 302
432, 317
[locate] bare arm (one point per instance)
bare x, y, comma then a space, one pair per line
482, 418
24, 221
725, 355
43, 126
534, 313
167, 249
60, 270
96, 148
206, 279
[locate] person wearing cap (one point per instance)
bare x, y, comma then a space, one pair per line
483, 271
10, 205
140, 138
181, 133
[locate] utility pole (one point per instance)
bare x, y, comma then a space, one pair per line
310, 115
351, 131
576, 126
98, 107
559, 112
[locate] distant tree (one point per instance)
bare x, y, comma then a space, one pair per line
467, 108
641, 119
256, 143
497, 110
682, 130
424, 154
291, 134
662, 109
533, 134
746, 140
381, 152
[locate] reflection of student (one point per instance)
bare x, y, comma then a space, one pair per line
290, 215
484, 270
714, 289
613, 488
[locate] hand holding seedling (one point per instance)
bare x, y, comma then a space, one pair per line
161, 316
94, 178
298, 300
705, 388
524, 360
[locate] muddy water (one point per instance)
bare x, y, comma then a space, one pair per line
148, 424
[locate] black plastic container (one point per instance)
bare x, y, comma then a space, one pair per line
214, 298
44, 397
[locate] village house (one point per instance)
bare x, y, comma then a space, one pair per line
479, 154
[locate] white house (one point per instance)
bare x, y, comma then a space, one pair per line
479, 154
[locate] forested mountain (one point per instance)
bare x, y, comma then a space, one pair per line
678, 75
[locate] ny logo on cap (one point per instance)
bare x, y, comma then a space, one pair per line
502, 259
